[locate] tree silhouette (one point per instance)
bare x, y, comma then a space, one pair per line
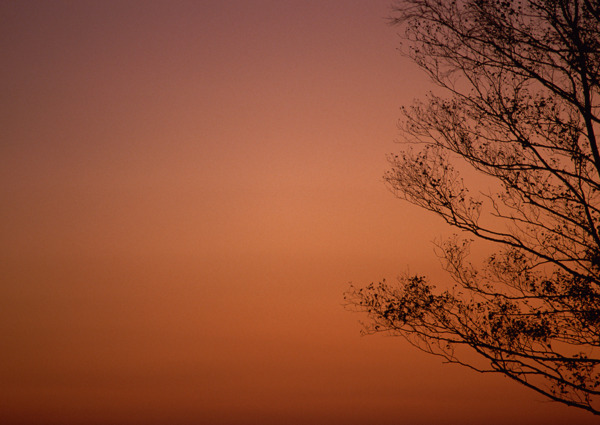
520, 104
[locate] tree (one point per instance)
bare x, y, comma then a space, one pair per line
520, 105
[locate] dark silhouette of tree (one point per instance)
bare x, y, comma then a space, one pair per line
520, 104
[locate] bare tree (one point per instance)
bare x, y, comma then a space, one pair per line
520, 105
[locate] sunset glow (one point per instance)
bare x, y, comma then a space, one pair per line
188, 188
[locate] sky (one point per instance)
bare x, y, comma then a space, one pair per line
187, 189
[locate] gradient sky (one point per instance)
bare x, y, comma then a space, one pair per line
187, 189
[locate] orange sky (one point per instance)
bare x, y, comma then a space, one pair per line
187, 189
